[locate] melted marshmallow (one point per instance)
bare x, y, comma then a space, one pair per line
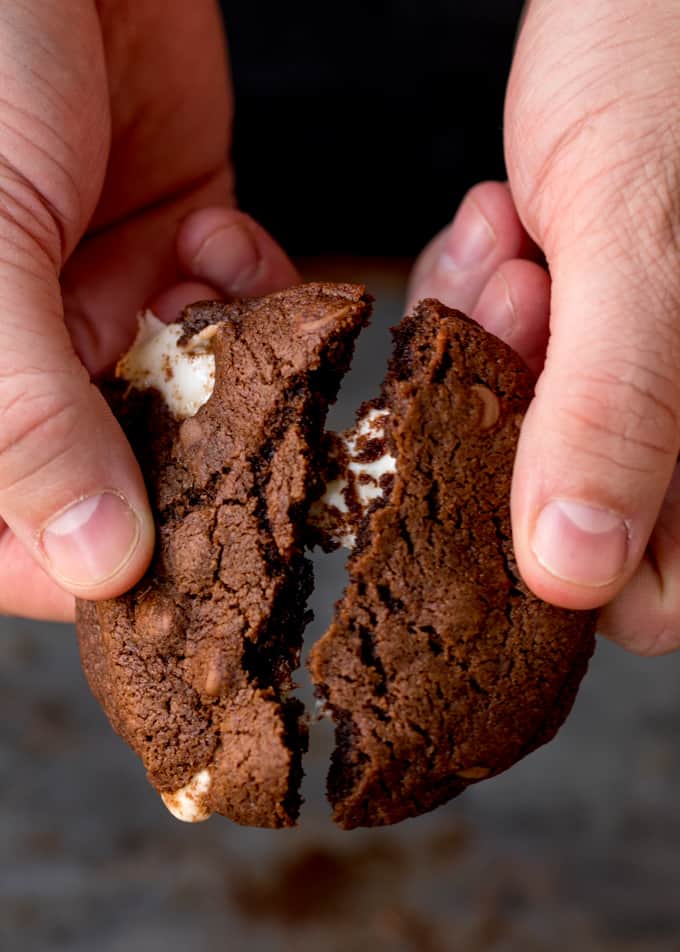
184, 374
362, 482
189, 802
368, 475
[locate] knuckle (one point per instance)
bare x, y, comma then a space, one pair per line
642, 624
658, 641
37, 427
660, 634
29, 219
608, 155
623, 413
642, 200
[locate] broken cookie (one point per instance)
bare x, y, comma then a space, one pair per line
440, 667
225, 412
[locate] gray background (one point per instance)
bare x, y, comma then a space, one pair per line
576, 848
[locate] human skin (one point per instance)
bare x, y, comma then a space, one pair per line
591, 128
592, 125
115, 192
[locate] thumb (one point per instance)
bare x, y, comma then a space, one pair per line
600, 442
70, 488
590, 136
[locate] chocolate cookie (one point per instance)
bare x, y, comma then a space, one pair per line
225, 412
441, 668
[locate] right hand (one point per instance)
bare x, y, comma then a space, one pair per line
590, 132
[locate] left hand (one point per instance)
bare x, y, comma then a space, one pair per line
116, 193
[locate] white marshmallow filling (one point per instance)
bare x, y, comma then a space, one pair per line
189, 802
348, 497
184, 374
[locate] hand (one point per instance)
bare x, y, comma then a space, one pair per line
114, 129
592, 119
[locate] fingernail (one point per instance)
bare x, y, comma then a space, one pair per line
91, 540
471, 241
227, 257
581, 543
495, 310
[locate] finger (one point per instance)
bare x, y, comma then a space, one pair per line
117, 271
645, 616
169, 305
599, 443
26, 590
228, 250
461, 259
70, 488
515, 306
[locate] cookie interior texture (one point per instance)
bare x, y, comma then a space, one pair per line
441, 668
194, 665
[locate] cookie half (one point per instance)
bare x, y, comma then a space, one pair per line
440, 668
225, 412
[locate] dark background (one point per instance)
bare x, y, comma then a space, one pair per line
360, 125
357, 136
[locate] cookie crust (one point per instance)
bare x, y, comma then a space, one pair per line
194, 665
441, 668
